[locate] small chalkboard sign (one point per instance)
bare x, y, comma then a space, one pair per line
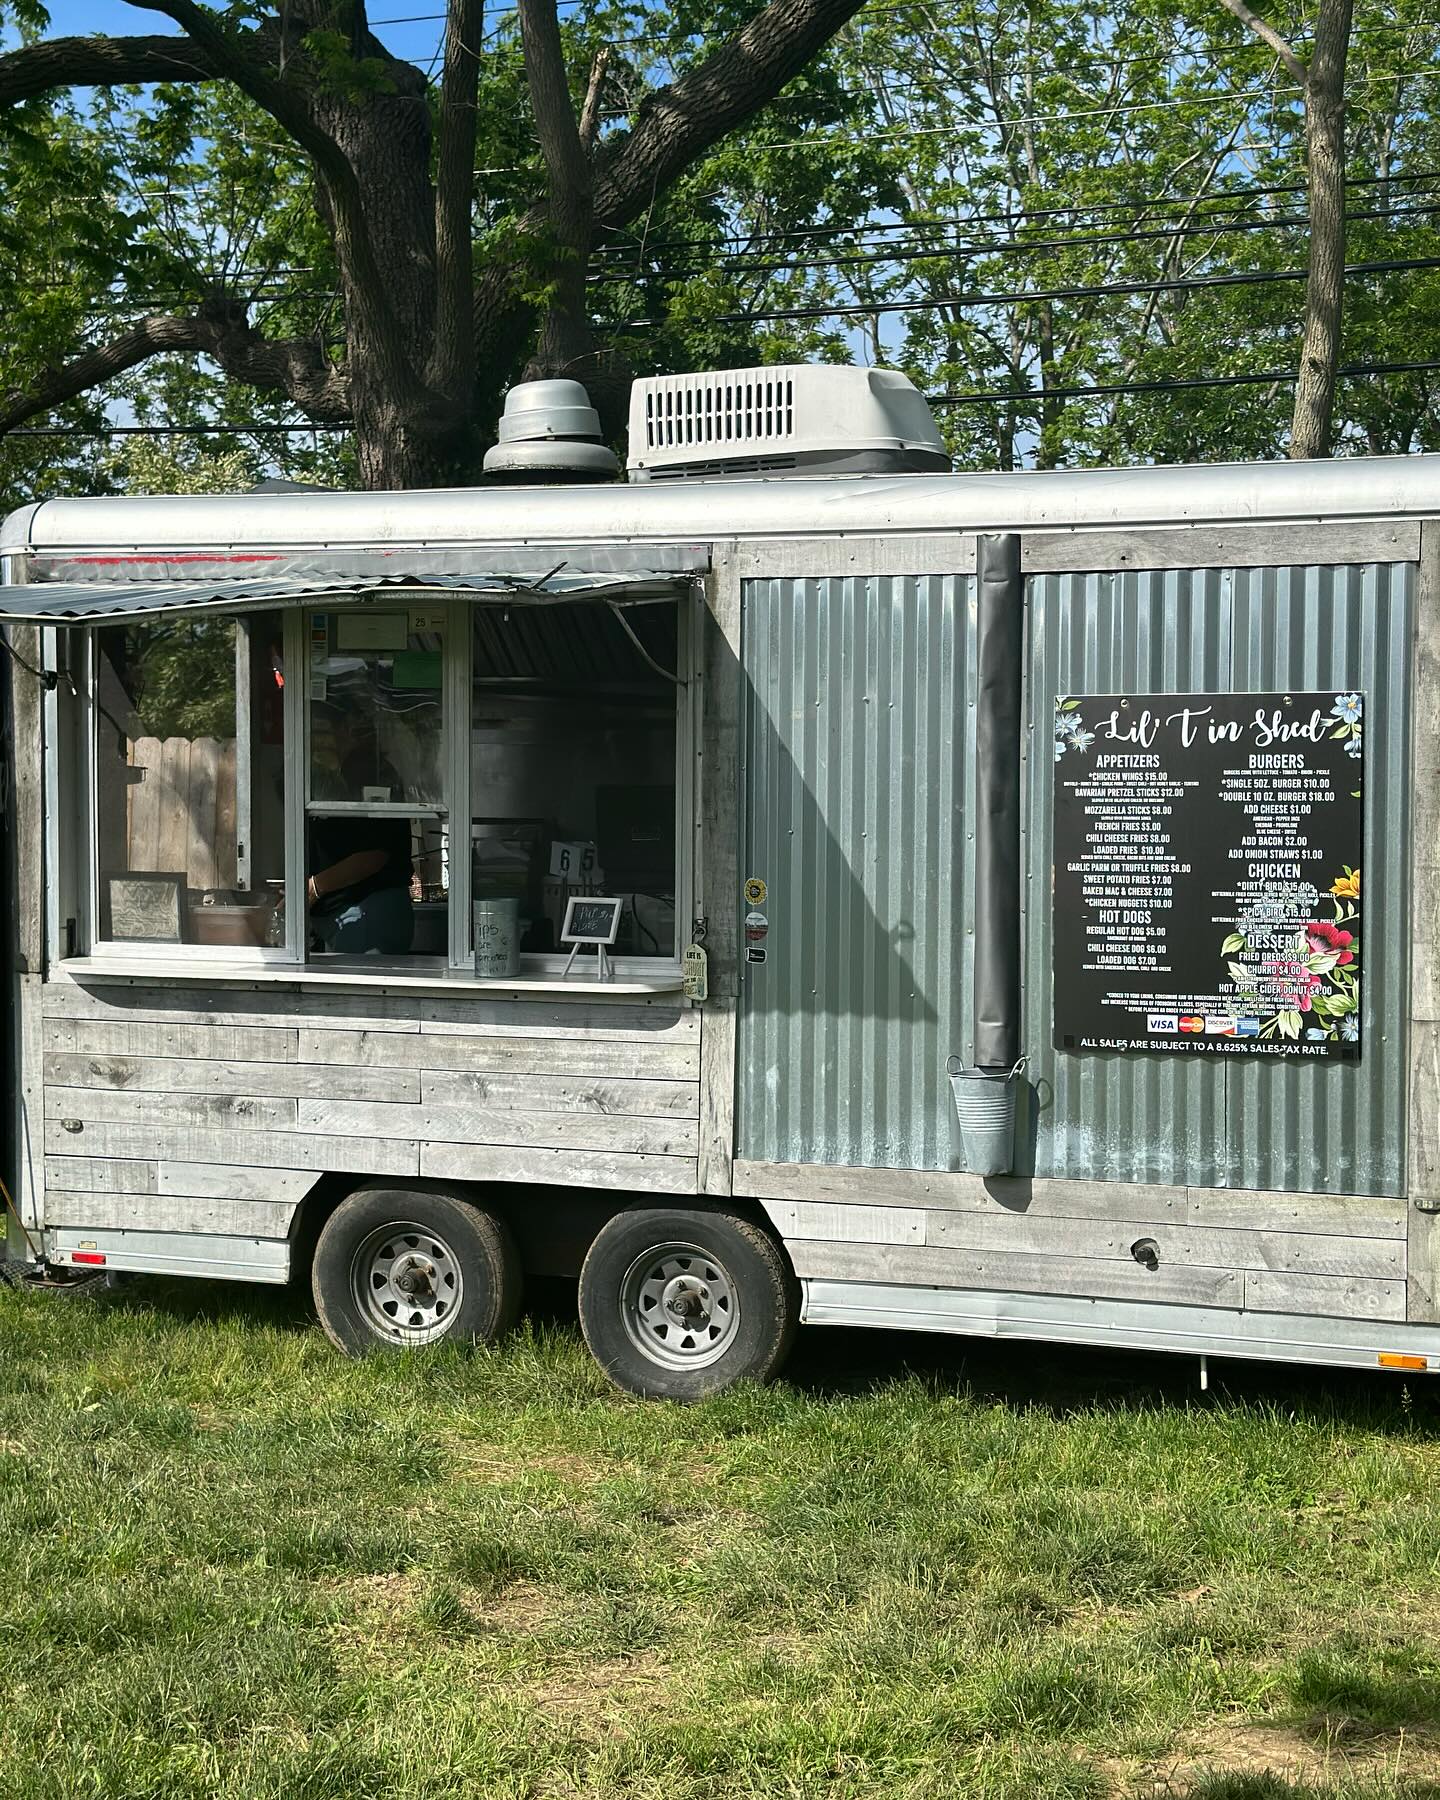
591, 923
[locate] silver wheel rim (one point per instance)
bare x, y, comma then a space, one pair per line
406, 1282
680, 1306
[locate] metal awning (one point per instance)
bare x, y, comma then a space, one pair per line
76, 602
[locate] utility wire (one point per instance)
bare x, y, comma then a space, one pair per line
1024, 296
272, 288
902, 255
1021, 215
991, 397
1004, 396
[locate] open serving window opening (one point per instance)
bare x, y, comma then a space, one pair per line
573, 716
356, 780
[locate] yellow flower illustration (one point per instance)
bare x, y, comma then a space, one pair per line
1347, 887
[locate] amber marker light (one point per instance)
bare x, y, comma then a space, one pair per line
1391, 1359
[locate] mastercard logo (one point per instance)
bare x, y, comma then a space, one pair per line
1191, 1022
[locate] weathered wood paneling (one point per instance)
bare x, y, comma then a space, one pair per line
245, 1149
1220, 547
1189, 1245
1345, 1216
165, 1212
570, 1168
849, 1224
148, 1038
608, 1021
928, 1267
99, 1175
185, 1004
717, 1098
204, 1075
557, 1093
482, 1125
958, 1193
1423, 1110
239, 1112
245, 1095
1338, 1215
219, 1181
1335, 1297
667, 1060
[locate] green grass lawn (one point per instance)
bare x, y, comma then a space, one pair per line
239, 1565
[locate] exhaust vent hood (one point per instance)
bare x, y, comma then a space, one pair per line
794, 419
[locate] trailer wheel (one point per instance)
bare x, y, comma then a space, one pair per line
402, 1268
679, 1303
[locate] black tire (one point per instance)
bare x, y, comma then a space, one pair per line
680, 1302
458, 1259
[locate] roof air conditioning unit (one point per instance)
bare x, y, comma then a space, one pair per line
794, 419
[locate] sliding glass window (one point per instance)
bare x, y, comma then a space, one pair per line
377, 848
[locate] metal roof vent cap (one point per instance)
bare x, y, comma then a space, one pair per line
550, 432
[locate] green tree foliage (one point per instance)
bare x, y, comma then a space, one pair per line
179, 676
1140, 164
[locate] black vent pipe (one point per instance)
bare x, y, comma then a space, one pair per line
999, 655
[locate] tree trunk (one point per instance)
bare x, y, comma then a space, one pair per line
1312, 428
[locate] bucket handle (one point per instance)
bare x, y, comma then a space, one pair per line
954, 1065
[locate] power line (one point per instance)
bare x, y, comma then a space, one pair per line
1100, 389
1024, 296
1000, 397
903, 254
1022, 215
109, 431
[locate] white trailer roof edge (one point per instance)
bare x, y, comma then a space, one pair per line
689, 511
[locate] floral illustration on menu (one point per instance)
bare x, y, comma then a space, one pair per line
1310, 983
1070, 729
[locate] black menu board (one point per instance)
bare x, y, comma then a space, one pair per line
1207, 873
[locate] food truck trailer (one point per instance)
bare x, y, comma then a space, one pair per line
797, 883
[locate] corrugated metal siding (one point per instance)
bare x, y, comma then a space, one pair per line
1338, 1128
857, 784
1231, 1123
1115, 1118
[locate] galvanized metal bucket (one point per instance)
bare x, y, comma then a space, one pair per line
985, 1115
497, 938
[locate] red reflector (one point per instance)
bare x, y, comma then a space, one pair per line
86, 1256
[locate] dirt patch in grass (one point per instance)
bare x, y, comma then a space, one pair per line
1249, 1749
603, 1691
521, 1608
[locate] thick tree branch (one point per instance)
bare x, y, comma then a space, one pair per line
1271, 38
290, 108
565, 337
565, 158
590, 112
97, 62
295, 367
453, 364
680, 122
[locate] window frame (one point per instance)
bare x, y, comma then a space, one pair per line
292, 959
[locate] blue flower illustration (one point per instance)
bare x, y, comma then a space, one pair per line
1348, 708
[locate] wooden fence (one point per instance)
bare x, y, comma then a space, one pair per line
181, 813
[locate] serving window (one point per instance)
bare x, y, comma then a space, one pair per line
369, 784
573, 714
190, 777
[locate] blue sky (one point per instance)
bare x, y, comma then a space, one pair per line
415, 41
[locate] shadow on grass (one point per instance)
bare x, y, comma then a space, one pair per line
836, 1362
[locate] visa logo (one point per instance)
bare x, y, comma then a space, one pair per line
1162, 1022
